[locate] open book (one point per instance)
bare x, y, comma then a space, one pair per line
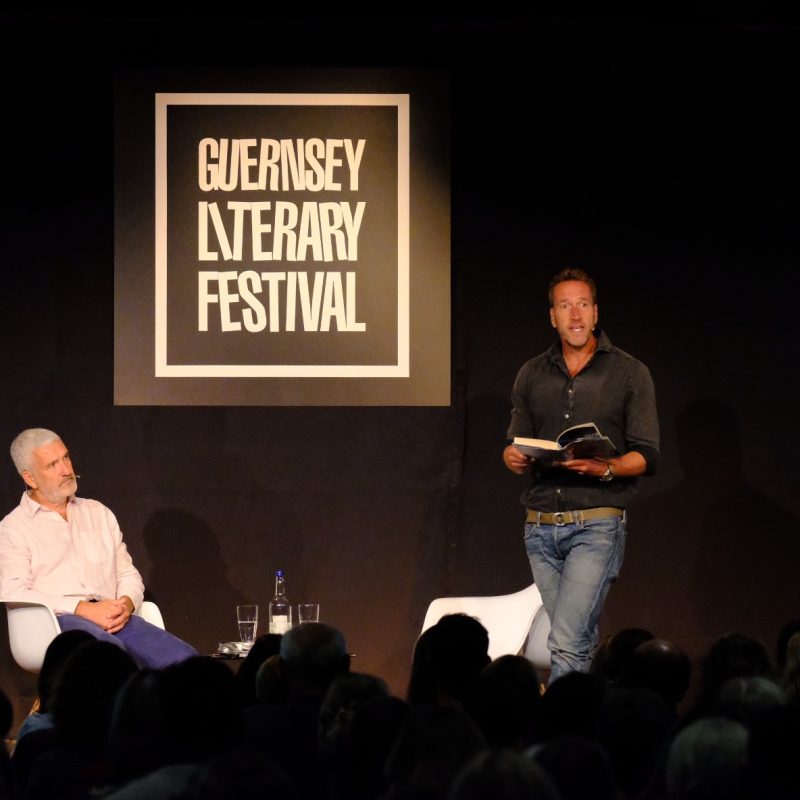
579, 441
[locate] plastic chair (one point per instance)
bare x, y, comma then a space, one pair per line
32, 626
536, 649
517, 623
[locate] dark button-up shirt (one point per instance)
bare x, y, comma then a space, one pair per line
615, 391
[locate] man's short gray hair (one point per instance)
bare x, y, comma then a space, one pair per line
29, 440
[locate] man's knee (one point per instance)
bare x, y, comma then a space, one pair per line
72, 622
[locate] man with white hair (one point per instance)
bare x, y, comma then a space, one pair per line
68, 552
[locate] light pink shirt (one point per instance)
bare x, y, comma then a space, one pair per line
47, 559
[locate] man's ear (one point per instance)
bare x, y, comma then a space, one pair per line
27, 476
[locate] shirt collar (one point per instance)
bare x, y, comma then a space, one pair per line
603, 344
32, 507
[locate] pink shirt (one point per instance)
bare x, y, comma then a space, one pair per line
47, 559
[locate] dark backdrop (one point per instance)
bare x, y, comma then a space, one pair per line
660, 156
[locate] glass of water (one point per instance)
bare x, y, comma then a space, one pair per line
247, 618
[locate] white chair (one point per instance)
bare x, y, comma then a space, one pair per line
32, 626
516, 623
536, 649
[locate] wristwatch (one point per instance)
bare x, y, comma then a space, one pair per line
608, 474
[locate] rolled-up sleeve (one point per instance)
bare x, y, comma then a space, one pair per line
641, 418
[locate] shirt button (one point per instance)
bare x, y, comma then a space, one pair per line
566, 416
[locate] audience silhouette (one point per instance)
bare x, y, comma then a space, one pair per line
580, 767
285, 723
432, 746
661, 666
73, 763
504, 701
7, 788
294, 722
732, 655
265, 646
502, 773
448, 658
37, 732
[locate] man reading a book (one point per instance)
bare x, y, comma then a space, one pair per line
575, 507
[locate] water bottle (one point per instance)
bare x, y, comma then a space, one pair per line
280, 609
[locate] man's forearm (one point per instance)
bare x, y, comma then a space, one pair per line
629, 465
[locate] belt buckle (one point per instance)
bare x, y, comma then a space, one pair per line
558, 518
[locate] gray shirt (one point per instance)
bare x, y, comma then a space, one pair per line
615, 391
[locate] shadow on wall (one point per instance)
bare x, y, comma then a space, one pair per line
490, 556
715, 554
189, 578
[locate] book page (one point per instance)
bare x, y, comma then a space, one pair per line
587, 430
542, 444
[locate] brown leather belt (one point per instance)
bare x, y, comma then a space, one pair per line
568, 517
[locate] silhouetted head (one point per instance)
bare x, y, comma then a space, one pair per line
791, 628
271, 685
85, 689
202, 709
502, 773
58, 651
791, 669
570, 706
633, 726
432, 746
359, 722
734, 655
707, 759
312, 655
422, 688
265, 646
580, 768
659, 665
458, 650
504, 700
772, 751
611, 659
744, 699
241, 774
344, 695
6, 714
135, 739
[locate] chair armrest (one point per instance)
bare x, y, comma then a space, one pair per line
31, 628
151, 613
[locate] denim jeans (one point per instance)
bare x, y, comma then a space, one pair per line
574, 566
148, 645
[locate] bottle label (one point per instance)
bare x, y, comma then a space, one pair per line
279, 624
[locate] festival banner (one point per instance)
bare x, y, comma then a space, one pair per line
293, 255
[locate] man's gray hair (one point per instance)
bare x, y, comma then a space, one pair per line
29, 440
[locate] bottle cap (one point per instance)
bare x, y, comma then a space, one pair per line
278, 573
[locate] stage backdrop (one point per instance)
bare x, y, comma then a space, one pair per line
282, 247
663, 159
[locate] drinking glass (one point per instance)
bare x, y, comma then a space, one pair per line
308, 612
247, 617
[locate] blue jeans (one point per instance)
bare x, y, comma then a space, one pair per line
147, 644
574, 566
